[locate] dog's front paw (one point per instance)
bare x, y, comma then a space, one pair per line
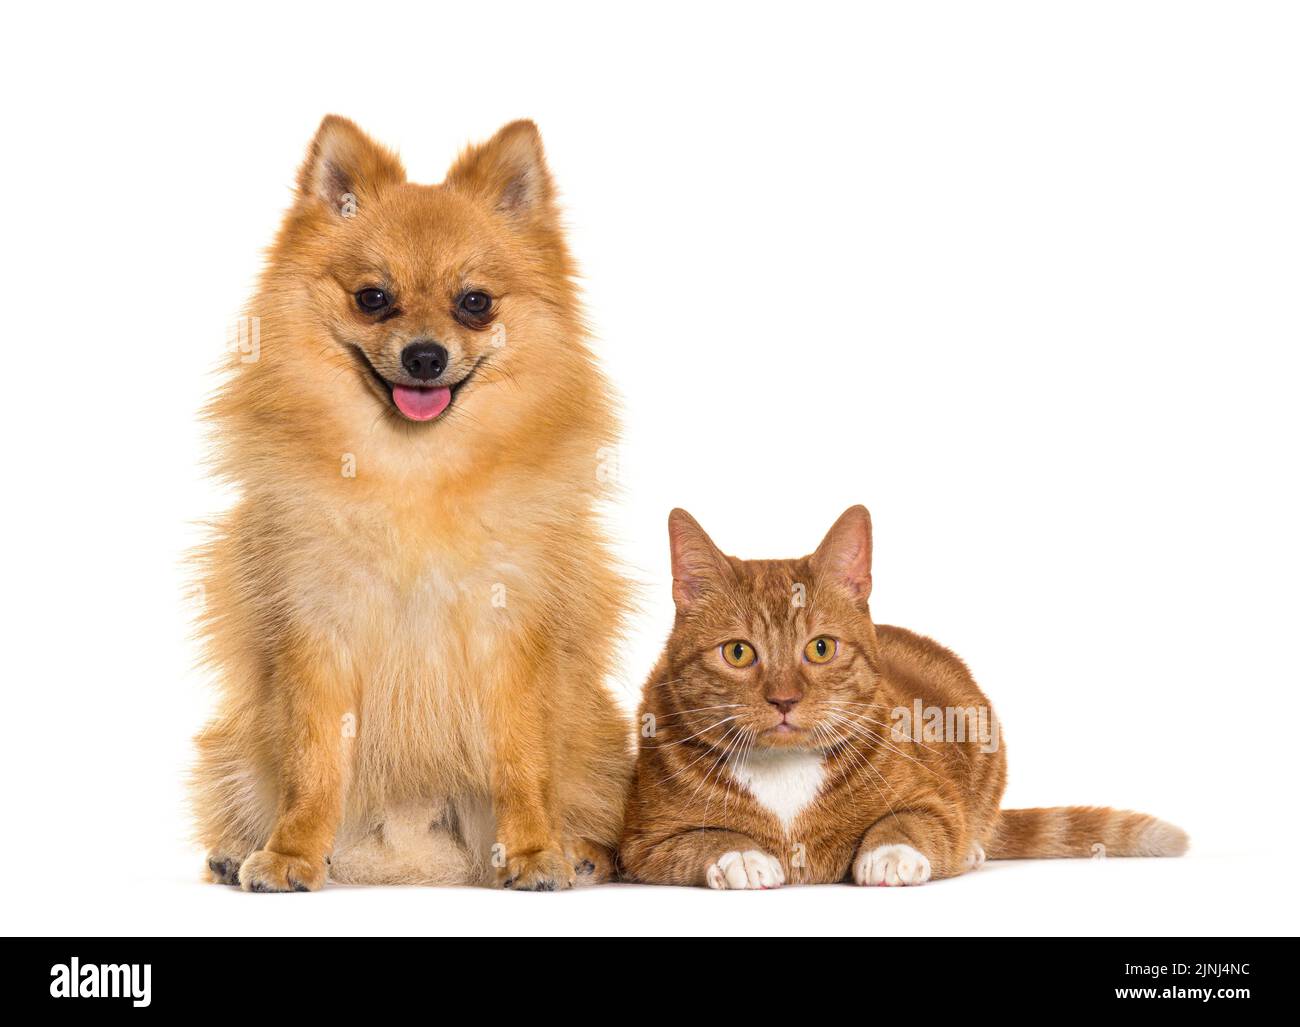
748, 869
223, 869
265, 870
543, 870
891, 865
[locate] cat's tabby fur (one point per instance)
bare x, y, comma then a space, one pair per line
724, 795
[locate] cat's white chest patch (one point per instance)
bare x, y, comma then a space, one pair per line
782, 781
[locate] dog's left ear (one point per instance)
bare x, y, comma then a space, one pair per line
509, 173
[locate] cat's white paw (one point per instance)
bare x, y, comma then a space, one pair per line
891, 865
748, 869
975, 858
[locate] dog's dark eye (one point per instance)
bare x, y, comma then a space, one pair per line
372, 301
475, 303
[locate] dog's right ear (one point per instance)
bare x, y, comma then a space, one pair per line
344, 163
697, 562
509, 173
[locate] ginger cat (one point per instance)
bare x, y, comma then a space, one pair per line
778, 743
401, 605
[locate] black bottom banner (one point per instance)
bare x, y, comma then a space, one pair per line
973, 977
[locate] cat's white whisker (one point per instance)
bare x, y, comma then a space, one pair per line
722, 755
704, 755
867, 735
665, 681
745, 738
849, 702
709, 773
863, 760
702, 731
700, 709
863, 716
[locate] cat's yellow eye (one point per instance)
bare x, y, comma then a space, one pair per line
739, 654
820, 650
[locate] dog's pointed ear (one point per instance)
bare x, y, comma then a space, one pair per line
697, 562
343, 163
509, 174
845, 553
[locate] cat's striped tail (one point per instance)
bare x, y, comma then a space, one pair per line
1082, 831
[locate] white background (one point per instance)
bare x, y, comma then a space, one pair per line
1019, 276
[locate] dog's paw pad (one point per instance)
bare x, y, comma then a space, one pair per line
750, 869
891, 865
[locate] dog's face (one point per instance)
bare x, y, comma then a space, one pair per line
421, 296
414, 294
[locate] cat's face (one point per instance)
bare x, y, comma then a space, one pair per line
771, 653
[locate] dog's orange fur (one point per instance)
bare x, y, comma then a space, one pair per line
412, 657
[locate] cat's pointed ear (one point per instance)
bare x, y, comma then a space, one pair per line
344, 163
845, 552
509, 174
697, 562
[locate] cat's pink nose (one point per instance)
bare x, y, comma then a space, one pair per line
785, 703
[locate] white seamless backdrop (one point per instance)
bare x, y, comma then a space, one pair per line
1021, 277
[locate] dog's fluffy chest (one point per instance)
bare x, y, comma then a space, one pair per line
425, 639
784, 782
424, 618
393, 603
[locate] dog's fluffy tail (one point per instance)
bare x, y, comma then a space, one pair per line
1082, 831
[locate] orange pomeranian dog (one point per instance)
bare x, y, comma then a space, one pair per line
409, 607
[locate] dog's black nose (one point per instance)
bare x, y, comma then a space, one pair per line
424, 360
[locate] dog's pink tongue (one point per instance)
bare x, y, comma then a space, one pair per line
421, 404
